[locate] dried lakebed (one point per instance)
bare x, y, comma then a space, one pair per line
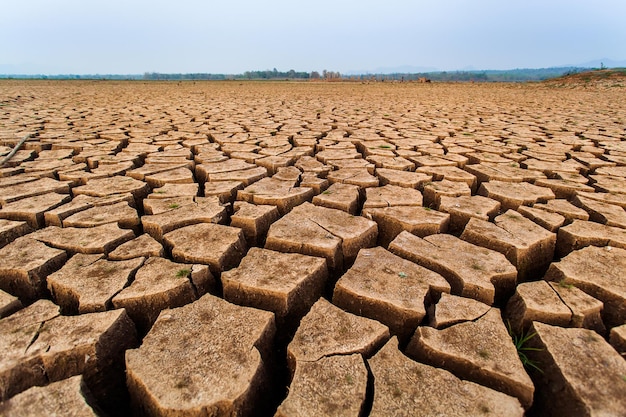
309, 249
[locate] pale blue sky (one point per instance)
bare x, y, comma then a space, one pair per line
124, 37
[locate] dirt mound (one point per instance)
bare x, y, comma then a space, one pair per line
603, 78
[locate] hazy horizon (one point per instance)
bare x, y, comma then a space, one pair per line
189, 36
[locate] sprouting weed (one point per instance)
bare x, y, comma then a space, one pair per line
520, 342
182, 273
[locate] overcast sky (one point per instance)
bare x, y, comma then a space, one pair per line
137, 36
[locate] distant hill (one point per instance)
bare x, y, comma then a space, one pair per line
600, 78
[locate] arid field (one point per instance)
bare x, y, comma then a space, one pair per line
312, 249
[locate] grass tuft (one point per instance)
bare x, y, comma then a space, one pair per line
520, 341
182, 273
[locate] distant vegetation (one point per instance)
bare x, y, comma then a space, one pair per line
514, 75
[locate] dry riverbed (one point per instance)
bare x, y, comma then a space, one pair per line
284, 248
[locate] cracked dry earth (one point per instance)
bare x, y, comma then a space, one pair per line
308, 249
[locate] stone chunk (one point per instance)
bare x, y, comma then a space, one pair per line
463, 208
472, 271
582, 374
599, 273
480, 351
86, 284
161, 284
514, 194
11, 230
286, 283
420, 221
203, 210
121, 213
25, 265
39, 347
525, 244
32, 209
66, 397
8, 304
402, 386
320, 231
282, 194
339, 196
387, 288
166, 377
220, 247
333, 385
452, 309
98, 239
143, 246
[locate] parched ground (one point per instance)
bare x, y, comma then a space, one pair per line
284, 248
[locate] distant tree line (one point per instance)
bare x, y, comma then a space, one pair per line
272, 74
514, 75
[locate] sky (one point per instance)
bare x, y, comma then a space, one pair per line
184, 36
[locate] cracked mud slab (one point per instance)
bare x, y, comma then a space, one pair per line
472, 271
42, 346
165, 376
387, 288
403, 386
480, 350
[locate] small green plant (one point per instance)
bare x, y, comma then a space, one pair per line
182, 273
402, 274
564, 284
384, 146
483, 354
520, 341
327, 192
349, 379
476, 266
174, 206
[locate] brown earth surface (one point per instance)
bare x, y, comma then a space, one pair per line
287, 248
